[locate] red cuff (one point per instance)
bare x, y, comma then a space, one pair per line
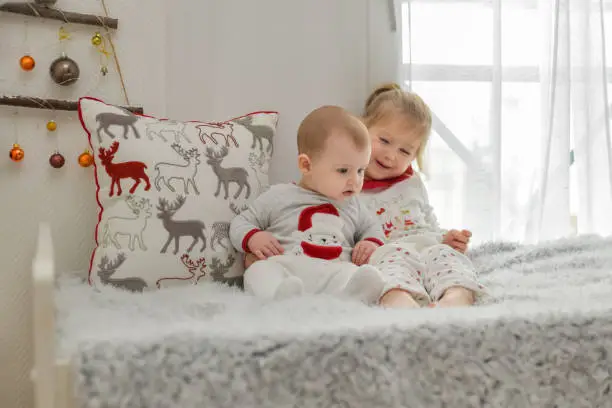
247, 237
375, 240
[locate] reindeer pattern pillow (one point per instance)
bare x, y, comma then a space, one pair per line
167, 191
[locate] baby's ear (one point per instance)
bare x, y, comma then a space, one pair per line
304, 163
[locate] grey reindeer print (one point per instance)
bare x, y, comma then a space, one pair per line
172, 127
237, 210
106, 269
214, 131
107, 119
260, 132
220, 232
227, 175
166, 172
132, 226
217, 270
178, 229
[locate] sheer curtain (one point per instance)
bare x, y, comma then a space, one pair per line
521, 147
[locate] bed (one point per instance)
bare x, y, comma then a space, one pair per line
544, 339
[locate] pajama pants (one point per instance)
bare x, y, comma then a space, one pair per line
284, 276
426, 271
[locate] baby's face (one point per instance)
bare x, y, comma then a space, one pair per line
338, 171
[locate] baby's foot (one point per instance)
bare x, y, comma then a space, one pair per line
289, 287
366, 284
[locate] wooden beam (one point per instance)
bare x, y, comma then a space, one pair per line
50, 104
36, 10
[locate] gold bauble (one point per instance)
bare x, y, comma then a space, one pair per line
96, 39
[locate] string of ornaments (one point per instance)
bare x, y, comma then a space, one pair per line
64, 71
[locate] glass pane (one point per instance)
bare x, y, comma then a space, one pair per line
462, 106
445, 183
458, 33
467, 34
521, 152
521, 36
608, 36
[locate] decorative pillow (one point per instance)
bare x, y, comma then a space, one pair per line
167, 191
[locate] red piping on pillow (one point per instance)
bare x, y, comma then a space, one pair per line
100, 208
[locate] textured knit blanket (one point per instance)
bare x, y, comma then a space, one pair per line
543, 340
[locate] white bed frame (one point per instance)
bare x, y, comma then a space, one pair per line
52, 377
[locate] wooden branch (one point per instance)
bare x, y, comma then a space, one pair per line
36, 10
30, 102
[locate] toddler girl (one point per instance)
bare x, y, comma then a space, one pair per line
421, 263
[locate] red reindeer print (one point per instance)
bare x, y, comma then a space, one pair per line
193, 267
117, 171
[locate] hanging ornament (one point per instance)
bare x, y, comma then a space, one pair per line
51, 126
96, 39
99, 42
16, 154
57, 160
86, 159
63, 34
27, 63
64, 70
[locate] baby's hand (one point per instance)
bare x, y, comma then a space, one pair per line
362, 252
263, 245
458, 240
249, 259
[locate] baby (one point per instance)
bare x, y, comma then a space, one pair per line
315, 236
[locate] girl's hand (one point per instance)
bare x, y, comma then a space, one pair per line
458, 240
362, 252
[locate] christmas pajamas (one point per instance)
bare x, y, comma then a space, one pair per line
413, 257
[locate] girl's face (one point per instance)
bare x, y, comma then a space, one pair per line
395, 143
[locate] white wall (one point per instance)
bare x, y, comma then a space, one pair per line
231, 57
32, 191
204, 60
280, 55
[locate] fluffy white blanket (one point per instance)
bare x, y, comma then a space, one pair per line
544, 339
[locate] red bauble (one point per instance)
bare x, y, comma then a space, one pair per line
57, 160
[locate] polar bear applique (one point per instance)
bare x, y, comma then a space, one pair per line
320, 231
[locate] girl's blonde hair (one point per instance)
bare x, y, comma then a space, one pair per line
388, 97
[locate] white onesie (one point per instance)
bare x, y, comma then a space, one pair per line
414, 258
318, 236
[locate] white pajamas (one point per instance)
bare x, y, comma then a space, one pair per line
413, 257
284, 276
318, 237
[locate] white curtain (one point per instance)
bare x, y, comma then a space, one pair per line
521, 148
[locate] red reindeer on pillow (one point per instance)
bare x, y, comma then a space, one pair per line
117, 171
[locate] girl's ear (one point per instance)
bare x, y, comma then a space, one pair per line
304, 163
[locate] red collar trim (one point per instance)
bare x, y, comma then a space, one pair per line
372, 184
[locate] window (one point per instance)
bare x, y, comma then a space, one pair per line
451, 52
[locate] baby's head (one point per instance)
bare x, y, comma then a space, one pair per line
399, 124
333, 152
